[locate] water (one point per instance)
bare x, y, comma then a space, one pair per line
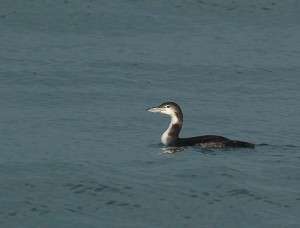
78, 148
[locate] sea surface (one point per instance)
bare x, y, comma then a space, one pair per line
78, 149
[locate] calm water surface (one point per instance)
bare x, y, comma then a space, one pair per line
78, 148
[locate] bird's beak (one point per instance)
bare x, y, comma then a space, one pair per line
155, 109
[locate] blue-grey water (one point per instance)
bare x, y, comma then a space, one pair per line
78, 148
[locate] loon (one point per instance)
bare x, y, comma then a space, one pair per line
171, 136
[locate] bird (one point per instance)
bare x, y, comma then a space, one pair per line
171, 136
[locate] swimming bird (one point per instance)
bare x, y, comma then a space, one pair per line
171, 136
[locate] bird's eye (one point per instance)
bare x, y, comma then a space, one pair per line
168, 106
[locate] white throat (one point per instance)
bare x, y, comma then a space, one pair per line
166, 137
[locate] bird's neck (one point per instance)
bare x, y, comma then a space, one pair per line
171, 135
